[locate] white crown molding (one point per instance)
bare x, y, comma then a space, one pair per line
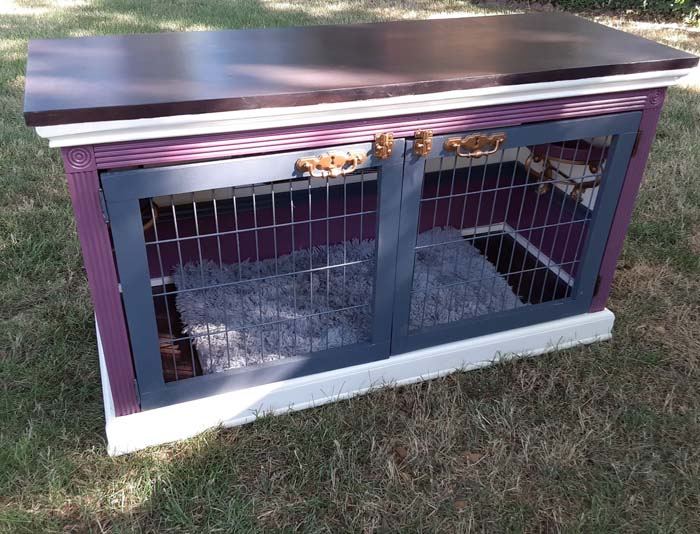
91, 133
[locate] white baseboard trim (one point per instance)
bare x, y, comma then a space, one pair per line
179, 421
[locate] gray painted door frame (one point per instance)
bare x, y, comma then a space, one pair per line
123, 191
623, 127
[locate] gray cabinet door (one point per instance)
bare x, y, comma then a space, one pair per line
505, 227
248, 271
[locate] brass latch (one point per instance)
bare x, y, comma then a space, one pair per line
473, 146
423, 143
383, 144
330, 165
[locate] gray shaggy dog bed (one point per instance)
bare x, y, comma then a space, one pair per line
255, 316
452, 280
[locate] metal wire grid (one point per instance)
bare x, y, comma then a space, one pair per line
497, 203
239, 228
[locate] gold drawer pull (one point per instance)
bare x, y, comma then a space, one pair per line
330, 165
473, 146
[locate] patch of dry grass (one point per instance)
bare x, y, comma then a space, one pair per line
597, 439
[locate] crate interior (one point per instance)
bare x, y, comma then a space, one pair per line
248, 275
504, 231
243, 276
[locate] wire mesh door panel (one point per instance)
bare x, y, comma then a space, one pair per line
506, 227
245, 272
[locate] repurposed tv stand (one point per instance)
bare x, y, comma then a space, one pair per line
271, 221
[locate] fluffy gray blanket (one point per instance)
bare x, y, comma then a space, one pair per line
262, 311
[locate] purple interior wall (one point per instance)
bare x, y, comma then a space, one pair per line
340, 216
548, 221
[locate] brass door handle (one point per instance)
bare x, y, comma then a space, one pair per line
473, 146
330, 165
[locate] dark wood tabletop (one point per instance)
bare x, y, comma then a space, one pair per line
153, 75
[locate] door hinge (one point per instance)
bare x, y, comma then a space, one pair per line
596, 287
103, 206
383, 144
636, 142
423, 143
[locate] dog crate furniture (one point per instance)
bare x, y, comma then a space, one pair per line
274, 219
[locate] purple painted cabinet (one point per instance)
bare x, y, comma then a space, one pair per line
532, 255
240, 229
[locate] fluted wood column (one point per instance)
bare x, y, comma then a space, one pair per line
83, 184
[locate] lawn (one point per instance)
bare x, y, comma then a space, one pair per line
597, 439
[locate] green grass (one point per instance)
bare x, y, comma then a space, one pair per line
597, 439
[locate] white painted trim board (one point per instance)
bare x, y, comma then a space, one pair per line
90, 133
179, 421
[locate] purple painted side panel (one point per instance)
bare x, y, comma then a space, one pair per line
207, 147
83, 184
625, 206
